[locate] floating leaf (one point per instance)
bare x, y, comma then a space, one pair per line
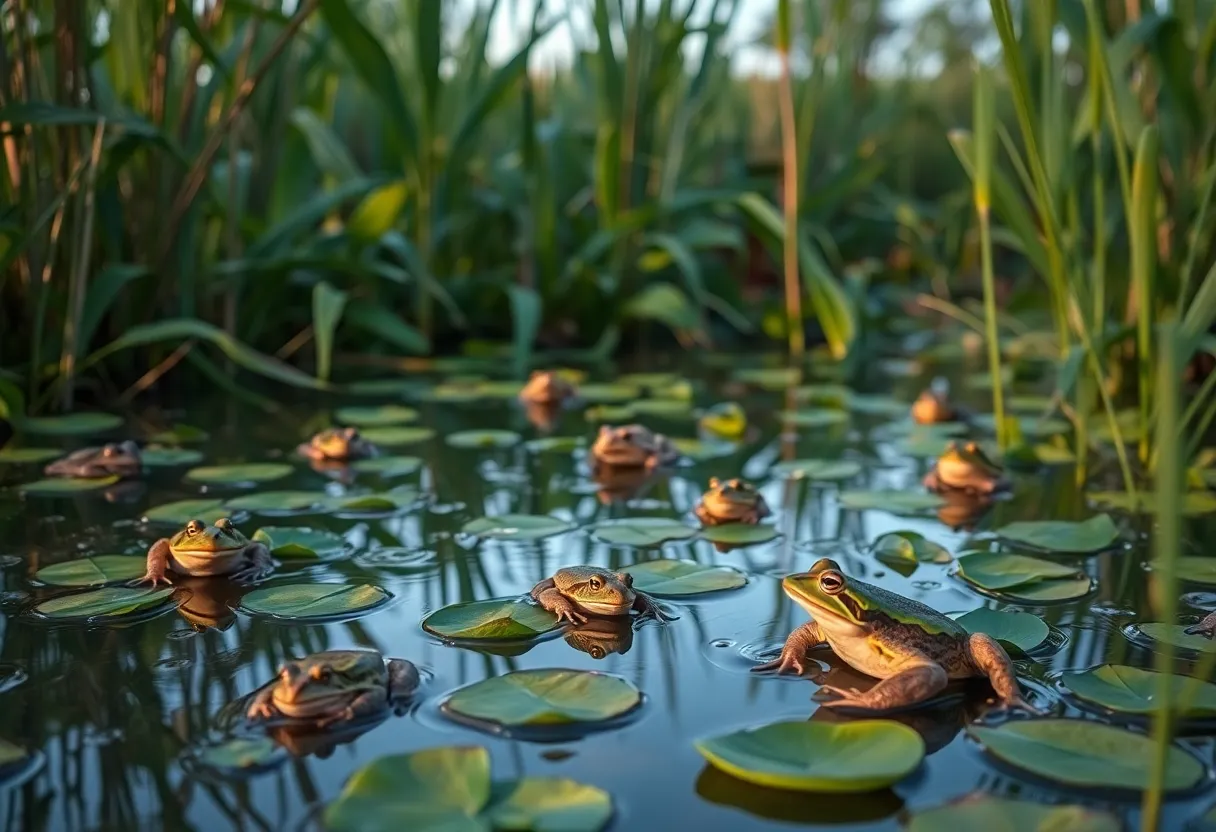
72, 424
1047, 592
394, 499
555, 444
180, 435
1092, 535
107, 602
609, 393
491, 620
769, 378
517, 526
855, 756
1196, 570
183, 511
295, 542
550, 804
815, 417
392, 436
239, 474
499, 389
1132, 690
545, 697
1176, 635
1084, 753
896, 502
876, 404
92, 571
641, 531
725, 421
1030, 428
648, 381
28, 456
610, 413
483, 439
999, 570
817, 469
1193, 502
985, 811
388, 466
388, 414
168, 457
10, 754
296, 601
673, 578
740, 534
66, 485
670, 408
909, 547
239, 754
272, 501
1021, 629
699, 450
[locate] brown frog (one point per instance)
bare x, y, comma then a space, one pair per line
932, 407
337, 445
120, 459
202, 550
574, 592
335, 686
731, 501
546, 387
632, 446
966, 469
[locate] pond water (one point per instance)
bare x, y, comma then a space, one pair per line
112, 712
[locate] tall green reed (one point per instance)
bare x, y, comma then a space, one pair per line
789, 179
985, 132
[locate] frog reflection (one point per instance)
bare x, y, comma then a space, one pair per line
543, 415
962, 511
601, 637
208, 604
620, 485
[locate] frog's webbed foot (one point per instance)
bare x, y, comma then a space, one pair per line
1206, 627
158, 560
558, 604
258, 564
262, 706
648, 606
990, 658
908, 687
793, 653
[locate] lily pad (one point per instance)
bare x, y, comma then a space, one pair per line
669, 408
815, 417
272, 501
855, 756
388, 414
725, 421
296, 542
183, 511
555, 444
517, 526
1021, 629
105, 603
66, 485
180, 435
1176, 635
388, 466
169, 457
392, 436
502, 618
1132, 690
769, 378
740, 534
909, 547
641, 531
251, 472
1002, 814
303, 601
1084, 753
670, 578
876, 404
817, 469
499, 389
28, 456
1023, 579
1030, 428
609, 413
648, 381
395, 499
72, 424
1196, 570
483, 439
93, 571
702, 450
550, 804
545, 697
239, 754
1092, 535
896, 502
609, 393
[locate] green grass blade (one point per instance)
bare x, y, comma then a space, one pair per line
1144, 265
327, 306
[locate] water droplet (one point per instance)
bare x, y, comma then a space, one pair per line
927, 585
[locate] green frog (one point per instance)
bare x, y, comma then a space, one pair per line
633, 446
337, 445
202, 550
574, 592
931, 408
966, 469
546, 387
914, 650
335, 686
731, 501
121, 459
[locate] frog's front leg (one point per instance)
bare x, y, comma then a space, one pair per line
991, 660
797, 645
915, 683
261, 706
547, 595
1206, 627
646, 605
258, 564
403, 678
365, 704
158, 559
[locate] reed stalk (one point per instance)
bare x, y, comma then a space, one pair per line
985, 118
789, 174
1144, 264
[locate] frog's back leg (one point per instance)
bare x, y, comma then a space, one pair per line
918, 679
991, 660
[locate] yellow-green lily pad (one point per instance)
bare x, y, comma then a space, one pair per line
28, 456
492, 620
896, 502
239, 754
10, 754
55, 486
72, 424
740, 534
1194, 503
395, 499
909, 547
277, 501
388, 466
608, 413
555, 444
855, 756
499, 389
875, 404
545, 697
92, 571
1176, 635
822, 417
313, 601
670, 578
1133, 690
609, 393
517, 526
663, 408
241, 474
1196, 570
1086, 754
183, 511
1021, 629
817, 469
180, 435
769, 378
702, 450
108, 602
641, 531
648, 381
296, 542
388, 414
557, 804
169, 457
393, 436
1092, 535
483, 439
1023, 579
1003, 814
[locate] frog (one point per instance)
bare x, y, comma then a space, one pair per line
966, 469
731, 501
932, 407
335, 686
913, 649
546, 387
602, 637
1206, 627
337, 445
574, 592
121, 459
633, 446
203, 550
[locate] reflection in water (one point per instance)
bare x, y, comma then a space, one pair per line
808, 808
600, 637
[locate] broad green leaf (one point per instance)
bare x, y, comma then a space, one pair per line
545, 697
1176, 635
66, 485
724, 421
491, 620
105, 603
483, 439
1021, 629
239, 754
1002, 814
673, 578
310, 601
855, 756
663, 408
385, 324
378, 212
526, 310
910, 547
1000, 570
395, 436
28, 456
1092, 535
555, 444
297, 542
896, 502
517, 526
72, 424
666, 304
388, 414
180, 435
253, 472
740, 534
1197, 570
327, 306
641, 531
395, 499
702, 450
388, 466
769, 378
270, 502
183, 511
93, 571
1193, 502
10, 754
1133, 690
609, 393
821, 417
170, 457
550, 804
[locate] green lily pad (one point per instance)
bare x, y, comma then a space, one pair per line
296, 542
609, 413
93, 571
817, 469
304, 601
239, 474
388, 414
669, 408
740, 534
855, 756
484, 439
1021, 629
1193, 502
517, 526
239, 754
555, 444
922, 447
457, 393
72, 424
815, 417
648, 381
180, 435
28, 456
824, 393
502, 618
550, 804
545, 697
1084, 753
876, 404
66, 485
701, 450
1092, 535
673, 578
609, 393
641, 531
386, 387
395, 499
392, 436
896, 502
769, 378
169, 457
183, 511
1196, 570
1053, 454
104, 603
270, 501
1176, 635
388, 466
1023, 579
985, 811
909, 547
1132, 690
1030, 428
499, 389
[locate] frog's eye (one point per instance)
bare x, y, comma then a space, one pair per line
595, 583
627, 434
194, 527
971, 448
628, 579
224, 523
831, 582
319, 672
109, 450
